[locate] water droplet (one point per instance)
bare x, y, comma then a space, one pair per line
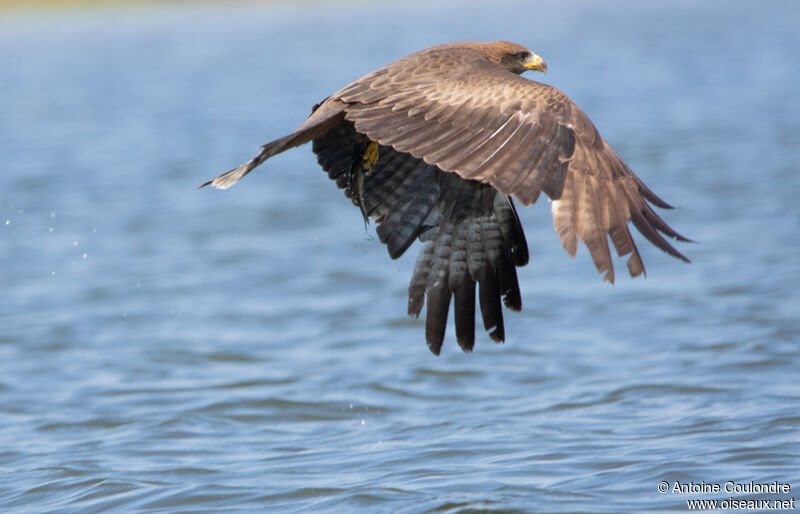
84, 255
53, 214
74, 243
52, 273
8, 222
50, 229
362, 421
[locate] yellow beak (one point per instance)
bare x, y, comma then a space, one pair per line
536, 64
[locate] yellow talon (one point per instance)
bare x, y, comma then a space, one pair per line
370, 156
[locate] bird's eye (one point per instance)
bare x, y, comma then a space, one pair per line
521, 55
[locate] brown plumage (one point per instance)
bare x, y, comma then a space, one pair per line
459, 133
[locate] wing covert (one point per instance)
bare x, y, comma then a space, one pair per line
522, 137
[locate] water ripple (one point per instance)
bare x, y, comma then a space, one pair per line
173, 350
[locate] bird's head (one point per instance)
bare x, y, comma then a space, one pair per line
513, 57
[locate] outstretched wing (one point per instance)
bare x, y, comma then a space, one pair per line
323, 116
471, 232
453, 109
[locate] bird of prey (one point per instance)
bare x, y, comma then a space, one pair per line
437, 146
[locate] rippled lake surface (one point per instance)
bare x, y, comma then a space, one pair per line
168, 349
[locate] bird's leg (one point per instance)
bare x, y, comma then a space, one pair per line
370, 157
364, 158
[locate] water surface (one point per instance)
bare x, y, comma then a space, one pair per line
168, 349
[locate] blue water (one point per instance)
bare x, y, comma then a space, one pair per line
168, 349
